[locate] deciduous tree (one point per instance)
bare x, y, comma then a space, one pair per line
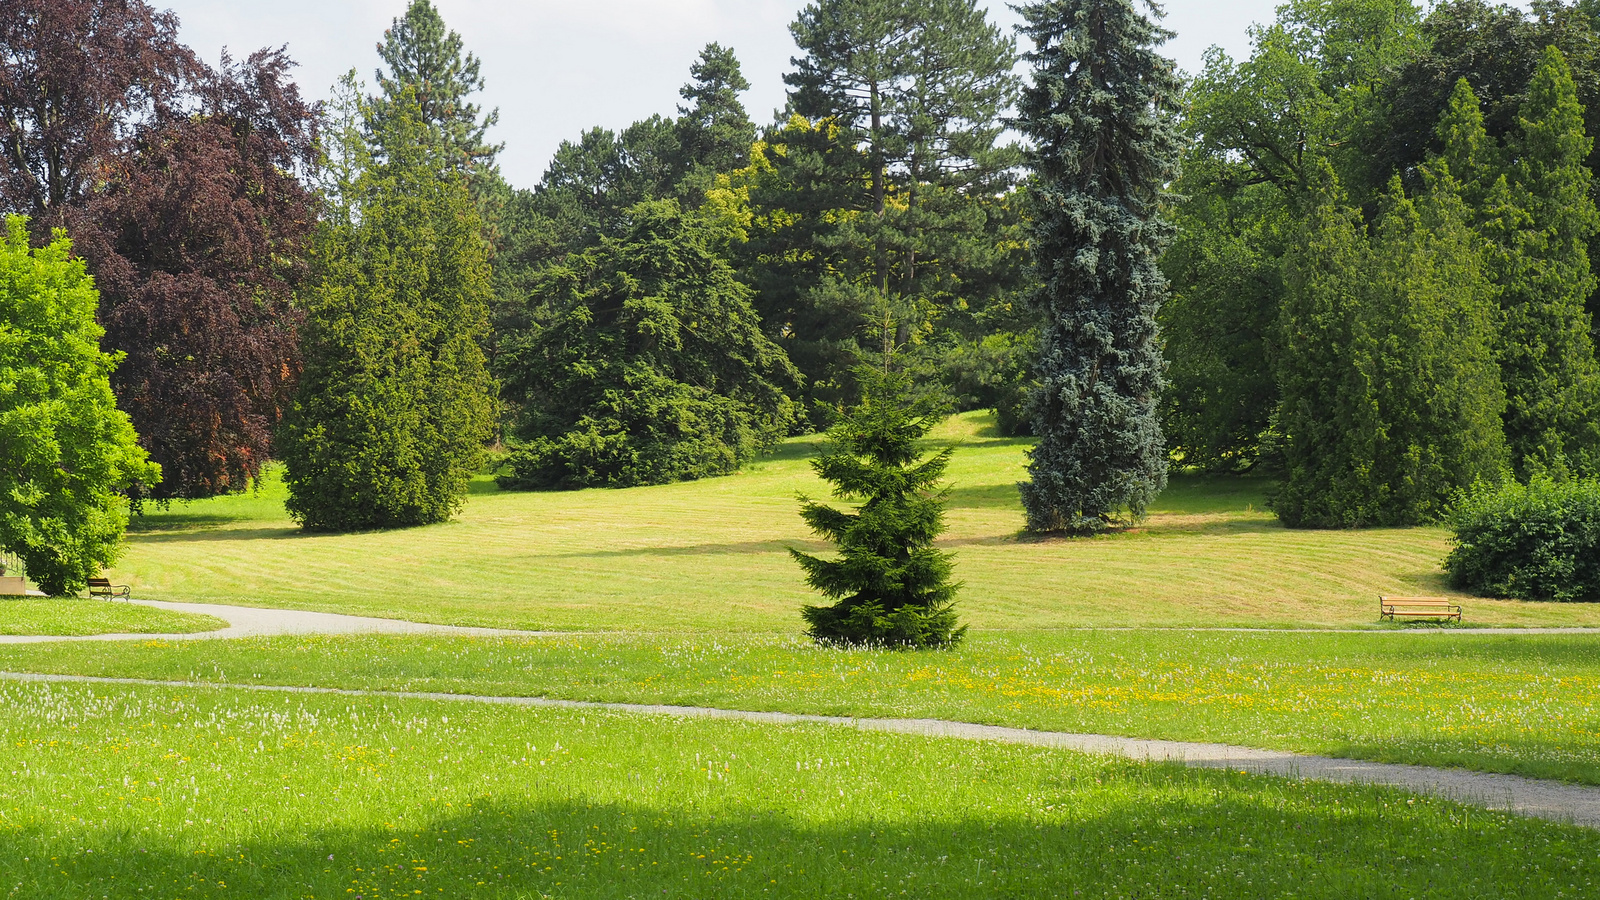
67, 454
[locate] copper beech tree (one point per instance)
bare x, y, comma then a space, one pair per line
181, 186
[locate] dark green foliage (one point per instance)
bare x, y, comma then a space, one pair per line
67, 453
890, 586
396, 401
715, 132
1391, 391
1100, 112
649, 365
1534, 541
1541, 227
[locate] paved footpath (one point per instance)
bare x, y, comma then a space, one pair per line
1574, 804
250, 621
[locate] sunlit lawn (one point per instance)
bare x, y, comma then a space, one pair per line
1524, 704
80, 617
711, 556
142, 792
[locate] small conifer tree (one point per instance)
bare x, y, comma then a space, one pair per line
890, 586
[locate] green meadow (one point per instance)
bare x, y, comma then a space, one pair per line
711, 557
685, 594
144, 792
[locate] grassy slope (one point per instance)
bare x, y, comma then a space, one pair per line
144, 792
711, 556
83, 617
1529, 705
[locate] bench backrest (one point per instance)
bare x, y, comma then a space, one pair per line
99, 582
1417, 601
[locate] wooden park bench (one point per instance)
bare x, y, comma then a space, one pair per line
1392, 608
103, 588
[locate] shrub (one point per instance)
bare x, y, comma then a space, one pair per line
891, 587
1536, 541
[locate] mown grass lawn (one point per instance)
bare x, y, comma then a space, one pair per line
143, 792
711, 556
54, 616
1523, 704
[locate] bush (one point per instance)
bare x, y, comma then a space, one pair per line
1536, 541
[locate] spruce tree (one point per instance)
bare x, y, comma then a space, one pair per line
1551, 376
1100, 113
889, 585
395, 405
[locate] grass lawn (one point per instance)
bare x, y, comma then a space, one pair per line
144, 792
711, 557
83, 617
1523, 704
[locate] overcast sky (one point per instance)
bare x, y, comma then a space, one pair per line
557, 67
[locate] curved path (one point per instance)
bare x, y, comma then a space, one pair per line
250, 621
1567, 803
254, 621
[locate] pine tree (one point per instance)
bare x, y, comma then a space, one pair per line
1551, 376
715, 132
67, 454
1100, 114
889, 584
425, 57
396, 402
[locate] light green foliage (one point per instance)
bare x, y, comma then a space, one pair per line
396, 401
425, 60
66, 452
652, 366
220, 793
1391, 391
889, 585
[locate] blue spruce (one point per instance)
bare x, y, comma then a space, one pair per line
1100, 112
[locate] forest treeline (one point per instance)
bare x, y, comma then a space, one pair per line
1377, 252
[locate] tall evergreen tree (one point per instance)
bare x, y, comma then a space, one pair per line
889, 584
1100, 112
715, 132
396, 402
1551, 376
425, 57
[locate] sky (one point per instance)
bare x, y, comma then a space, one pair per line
556, 68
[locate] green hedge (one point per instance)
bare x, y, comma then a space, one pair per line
1537, 541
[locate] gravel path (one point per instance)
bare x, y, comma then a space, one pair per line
249, 621
1567, 803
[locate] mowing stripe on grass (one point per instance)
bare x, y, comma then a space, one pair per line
1574, 804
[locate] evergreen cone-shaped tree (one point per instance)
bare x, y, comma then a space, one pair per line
1100, 115
890, 586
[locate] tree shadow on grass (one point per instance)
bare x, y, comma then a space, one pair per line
735, 548
218, 534
1134, 831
